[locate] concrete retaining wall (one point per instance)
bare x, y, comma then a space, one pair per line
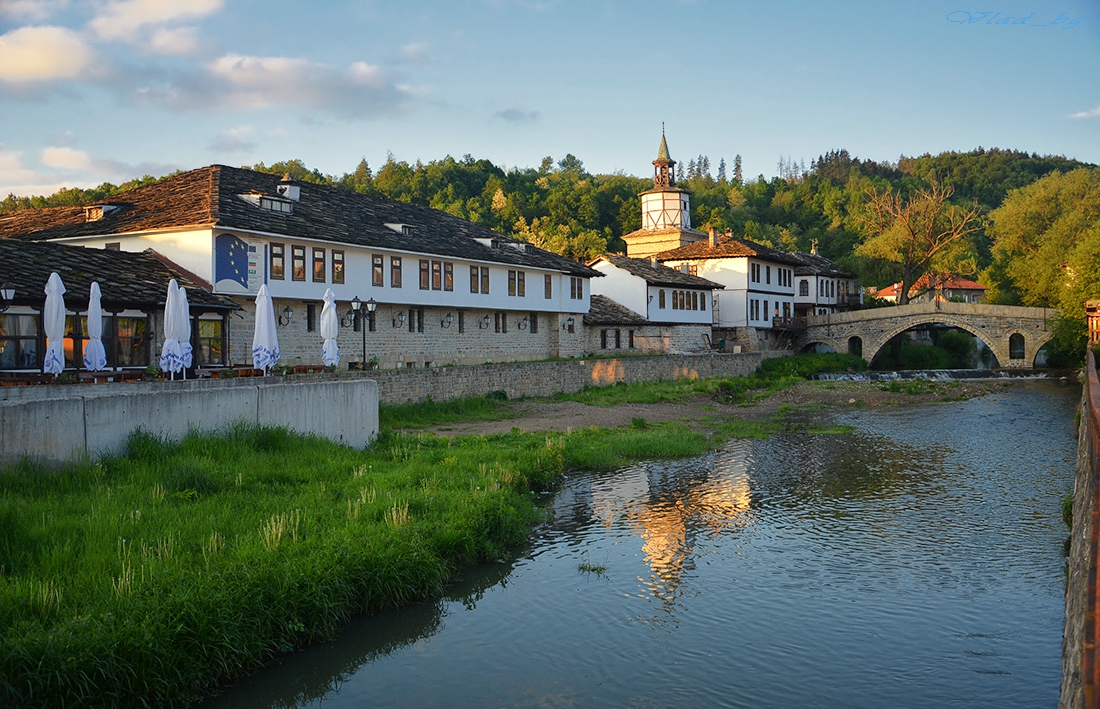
547, 378
63, 422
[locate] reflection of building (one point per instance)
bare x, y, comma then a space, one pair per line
671, 521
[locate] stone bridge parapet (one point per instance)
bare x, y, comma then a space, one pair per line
1014, 334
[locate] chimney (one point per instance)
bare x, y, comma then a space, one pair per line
685, 268
653, 261
286, 188
713, 237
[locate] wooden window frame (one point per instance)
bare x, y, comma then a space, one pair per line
425, 274
377, 270
320, 265
338, 274
297, 263
277, 258
395, 271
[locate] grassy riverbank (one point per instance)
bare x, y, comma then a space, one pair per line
149, 578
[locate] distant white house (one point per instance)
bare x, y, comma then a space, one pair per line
821, 288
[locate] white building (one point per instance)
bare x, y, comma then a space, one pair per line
821, 288
447, 291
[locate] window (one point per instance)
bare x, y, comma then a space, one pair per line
276, 205
278, 261
534, 323
437, 275
461, 321
603, 339
768, 275
19, 341
337, 266
694, 300
548, 285
475, 282
420, 319
661, 299
693, 269
113, 246
765, 313
804, 288
298, 263
319, 265
511, 282
576, 288
675, 300
211, 342
521, 288
448, 276
485, 280
131, 342
618, 340
754, 272
311, 317
377, 265
630, 338
395, 272
500, 319
425, 274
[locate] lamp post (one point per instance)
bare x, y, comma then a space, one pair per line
356, 304
7, 294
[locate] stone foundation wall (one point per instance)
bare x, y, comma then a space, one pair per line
547, 378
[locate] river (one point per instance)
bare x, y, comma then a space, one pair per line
915, 560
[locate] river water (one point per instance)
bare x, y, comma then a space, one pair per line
915, 561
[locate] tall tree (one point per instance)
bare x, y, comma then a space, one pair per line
737, 167
918, 233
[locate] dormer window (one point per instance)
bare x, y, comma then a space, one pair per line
403, 229
97, 211
276, 205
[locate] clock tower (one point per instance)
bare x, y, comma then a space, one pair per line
666, 212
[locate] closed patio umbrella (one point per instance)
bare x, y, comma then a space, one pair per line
265, 342
95, 357
330, 328
183, 330
171, 358
53, 317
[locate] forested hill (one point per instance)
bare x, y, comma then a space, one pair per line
562, 207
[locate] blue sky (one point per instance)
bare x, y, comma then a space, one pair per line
113, 89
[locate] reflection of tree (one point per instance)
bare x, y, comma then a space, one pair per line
304, 678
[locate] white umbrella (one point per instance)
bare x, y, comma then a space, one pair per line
330, 328
53, 316
265, 342
171, 358
183, 329
95, 358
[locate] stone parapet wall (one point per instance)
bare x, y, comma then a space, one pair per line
547, 378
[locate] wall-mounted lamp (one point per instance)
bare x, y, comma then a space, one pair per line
568, 326
483, 324
348, 320
446, 322
650, 298
523, 323
399, 319
285, 318
7, 295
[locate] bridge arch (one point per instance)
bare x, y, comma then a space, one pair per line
999, 327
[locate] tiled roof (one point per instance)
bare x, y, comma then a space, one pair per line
947, 283
815, 265
125, 279
210, 196
658, 275
604, 311
728, 247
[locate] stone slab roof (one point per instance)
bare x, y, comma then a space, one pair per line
727, 247
815, 265
211, 197
126, 279
658, 275
604, 311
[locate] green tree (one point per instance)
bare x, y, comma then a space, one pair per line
918, 233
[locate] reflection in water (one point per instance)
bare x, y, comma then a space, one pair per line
916, 562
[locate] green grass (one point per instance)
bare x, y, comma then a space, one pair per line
434, 413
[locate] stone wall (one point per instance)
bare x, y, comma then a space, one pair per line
547, 378
1079, 666
63, 422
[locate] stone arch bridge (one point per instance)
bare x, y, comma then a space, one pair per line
1014, 334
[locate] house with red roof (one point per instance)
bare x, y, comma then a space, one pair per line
937, 287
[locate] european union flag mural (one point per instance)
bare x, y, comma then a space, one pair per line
230, 259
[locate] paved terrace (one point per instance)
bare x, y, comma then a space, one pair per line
1013, 333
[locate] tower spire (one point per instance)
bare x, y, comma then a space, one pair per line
664, 167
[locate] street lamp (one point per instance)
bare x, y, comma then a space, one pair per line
372, 305
7, 295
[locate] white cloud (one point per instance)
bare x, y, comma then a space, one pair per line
241, 82
416, 53
234, 140
1094, 113
32, 54
178, 40
515, 115
73, 162
125, 19
31, 10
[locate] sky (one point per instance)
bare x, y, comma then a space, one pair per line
110, 90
